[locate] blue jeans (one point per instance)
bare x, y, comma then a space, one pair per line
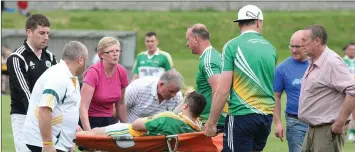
295, 133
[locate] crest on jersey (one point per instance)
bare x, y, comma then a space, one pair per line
32, 65
48, 64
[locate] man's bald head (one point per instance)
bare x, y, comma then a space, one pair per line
200, 30
199, 26
297, 35
297, 46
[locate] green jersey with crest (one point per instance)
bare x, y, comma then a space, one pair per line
155, 65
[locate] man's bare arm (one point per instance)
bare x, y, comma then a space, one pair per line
277, 109
220, 97
346, 109
45, 123
213, 81
279, 130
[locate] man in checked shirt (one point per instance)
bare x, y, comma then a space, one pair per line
150, 95
327, 95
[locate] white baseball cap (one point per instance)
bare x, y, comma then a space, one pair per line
249, 12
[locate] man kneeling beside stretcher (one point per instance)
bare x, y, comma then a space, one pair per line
165, 123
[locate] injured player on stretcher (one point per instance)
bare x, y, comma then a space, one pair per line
165, 123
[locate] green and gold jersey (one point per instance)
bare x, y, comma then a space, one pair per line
168, 123
350, 63
155, 65
252, 60
210, 65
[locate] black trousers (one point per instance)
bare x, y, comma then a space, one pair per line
37, 149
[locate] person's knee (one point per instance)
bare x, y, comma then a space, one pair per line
98, 131
85, 133
94, 131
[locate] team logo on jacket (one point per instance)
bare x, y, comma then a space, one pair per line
48, 64
32, 65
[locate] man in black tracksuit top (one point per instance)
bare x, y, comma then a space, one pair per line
25, 65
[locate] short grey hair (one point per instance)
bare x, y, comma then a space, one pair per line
172, 76
74, 50
318, 31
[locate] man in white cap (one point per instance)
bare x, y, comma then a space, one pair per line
248, 64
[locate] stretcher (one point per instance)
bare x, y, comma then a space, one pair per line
188, 142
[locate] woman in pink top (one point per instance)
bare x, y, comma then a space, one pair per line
103, 88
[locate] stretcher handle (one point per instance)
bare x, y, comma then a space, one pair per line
169, 139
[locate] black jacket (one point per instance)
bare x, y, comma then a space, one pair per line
24, 69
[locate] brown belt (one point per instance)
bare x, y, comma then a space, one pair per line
325, 124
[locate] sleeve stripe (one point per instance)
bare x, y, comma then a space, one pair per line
49, 101
168, 57
134, 66
170, 60
51, 56
52, 92
207, 63
21, 78
18, 53
20, 49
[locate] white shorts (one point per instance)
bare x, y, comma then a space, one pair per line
17, 121
117, 130
121, 131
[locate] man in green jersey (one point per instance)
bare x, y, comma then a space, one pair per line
349, 59
209, 68
248, 63
165, 123
153, 62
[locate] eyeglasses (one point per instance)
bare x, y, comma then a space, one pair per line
295, 46
112, 51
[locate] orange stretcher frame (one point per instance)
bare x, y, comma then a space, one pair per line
187, 142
